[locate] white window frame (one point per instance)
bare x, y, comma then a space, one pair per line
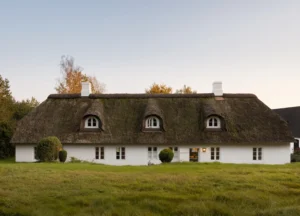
150, 121
215, 153
175, 150
213, 122
93, 120
152, 153
35, 153
257, 153
120, 153
99, 153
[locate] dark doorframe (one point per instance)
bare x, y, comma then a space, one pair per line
194, 154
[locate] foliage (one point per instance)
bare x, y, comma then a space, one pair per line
10, 112
295, 157
186, 90
166, 155
72, 76
74, 160
158, 89
169, 189
62, 155
48, 148
24, 107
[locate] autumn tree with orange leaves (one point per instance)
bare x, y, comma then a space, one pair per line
158, 89
72, 76
186, 90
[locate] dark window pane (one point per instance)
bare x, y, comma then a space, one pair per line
175, 148
154, 122
210, 122
215, 122
90, 122
154, 148
149, 149
217, 157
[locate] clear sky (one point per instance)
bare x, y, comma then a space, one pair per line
252, 46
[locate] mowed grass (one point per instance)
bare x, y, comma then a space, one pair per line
169, 189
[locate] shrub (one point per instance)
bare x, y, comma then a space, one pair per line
295, 157
74, 160
166, 155
48, 148
62, 155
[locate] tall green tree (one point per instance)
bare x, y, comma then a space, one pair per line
11, 111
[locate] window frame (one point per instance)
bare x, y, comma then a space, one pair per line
120, 153
93, 120
99, 153
149, 122
213, 122
175, 150
215, 154
35, 153
257, 153
152, 152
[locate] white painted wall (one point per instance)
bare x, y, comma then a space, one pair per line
25, 153
138, 155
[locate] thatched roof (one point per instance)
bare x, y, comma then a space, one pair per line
246, 119
292, 116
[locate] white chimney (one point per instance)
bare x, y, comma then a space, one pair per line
86, 89
217, 89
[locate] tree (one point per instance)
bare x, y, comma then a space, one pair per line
159, 89
24, 107
185, 90
72, 76
10, 112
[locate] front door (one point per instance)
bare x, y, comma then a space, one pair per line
194, 154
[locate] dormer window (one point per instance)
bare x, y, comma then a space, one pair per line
152, 122
213, 122
91, 122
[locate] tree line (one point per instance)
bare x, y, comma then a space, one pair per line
11, 111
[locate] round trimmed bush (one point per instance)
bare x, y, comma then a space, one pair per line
62, 155
166, 155
48, 148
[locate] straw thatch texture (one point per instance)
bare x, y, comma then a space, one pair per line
245, 119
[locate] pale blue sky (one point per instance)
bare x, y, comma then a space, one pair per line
251, 46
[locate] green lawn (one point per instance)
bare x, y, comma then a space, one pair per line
173, 189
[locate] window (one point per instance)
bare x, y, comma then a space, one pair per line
215, 153
91, 122
257, 153
296, 144
152, 153
35, 153
213, 122
120, 153
175, 150
99, 153
152, 122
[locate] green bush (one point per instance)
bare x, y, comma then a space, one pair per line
166, 155
62, 155
48, 148
295, 157
75, 160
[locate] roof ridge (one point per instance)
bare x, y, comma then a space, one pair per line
143, 95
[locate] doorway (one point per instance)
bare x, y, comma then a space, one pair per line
194, 154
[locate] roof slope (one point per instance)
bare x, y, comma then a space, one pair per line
247, 119
292, 116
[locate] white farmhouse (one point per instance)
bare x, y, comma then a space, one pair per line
131, 129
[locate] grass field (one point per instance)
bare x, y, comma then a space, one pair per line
172, 189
